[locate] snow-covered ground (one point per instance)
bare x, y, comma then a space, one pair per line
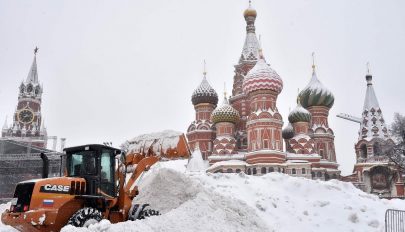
236, 202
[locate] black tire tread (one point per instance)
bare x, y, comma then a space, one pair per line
82, 215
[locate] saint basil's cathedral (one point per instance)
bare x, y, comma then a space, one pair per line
244, 133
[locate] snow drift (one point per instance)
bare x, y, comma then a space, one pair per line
238, 202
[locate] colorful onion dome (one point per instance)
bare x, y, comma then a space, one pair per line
204, 93
316, 94
299, 114
225, 113
288, 132
262, 77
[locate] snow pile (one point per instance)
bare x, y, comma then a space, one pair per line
185, 205
238, 202
159, 141
196, 162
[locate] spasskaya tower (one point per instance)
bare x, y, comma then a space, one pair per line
27, 123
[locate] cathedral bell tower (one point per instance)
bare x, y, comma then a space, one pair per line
249, 57
27, 123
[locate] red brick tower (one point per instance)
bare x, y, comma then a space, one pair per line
201, 130
27, 124
318, 100
374, 172
224, 118
262, 85
248, 59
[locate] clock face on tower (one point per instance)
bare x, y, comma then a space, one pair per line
25, 116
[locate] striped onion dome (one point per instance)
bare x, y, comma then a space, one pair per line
316, 94
204, 93
288, 132
299, 114
225, 113
262, 77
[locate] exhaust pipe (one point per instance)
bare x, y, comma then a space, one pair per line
45, 165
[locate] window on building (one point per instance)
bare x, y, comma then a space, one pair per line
229, 170
271, 169
327, 176
377, 149
313, 174
321, 154
238, 170
244, 142
266, 144
249, 172
303, 171
319, 174
293, 171
363, 151
264, 170
254, 171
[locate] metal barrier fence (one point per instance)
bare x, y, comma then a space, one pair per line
394, 220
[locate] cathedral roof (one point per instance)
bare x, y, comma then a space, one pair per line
299, 114
250, 51
373, 123
225, 113
316, 94
262, 77
204, 93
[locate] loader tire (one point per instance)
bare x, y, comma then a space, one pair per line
141, 211
85, 217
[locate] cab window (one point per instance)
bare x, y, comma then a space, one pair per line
82, 163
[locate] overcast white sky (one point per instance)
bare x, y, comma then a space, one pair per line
114, 69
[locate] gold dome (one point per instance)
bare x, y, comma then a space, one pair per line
250, 12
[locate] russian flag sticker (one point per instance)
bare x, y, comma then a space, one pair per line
47, 203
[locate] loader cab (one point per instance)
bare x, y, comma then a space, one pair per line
96, 164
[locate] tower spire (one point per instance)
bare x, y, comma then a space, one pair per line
5, 126
250, 50
372, 113
33, 73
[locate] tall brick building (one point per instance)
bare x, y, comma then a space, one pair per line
27, 125
245, 132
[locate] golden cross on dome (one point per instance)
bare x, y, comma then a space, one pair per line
205, 69
224, 90
368, 67
36, 50
313, 61
298, 96
260, 47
